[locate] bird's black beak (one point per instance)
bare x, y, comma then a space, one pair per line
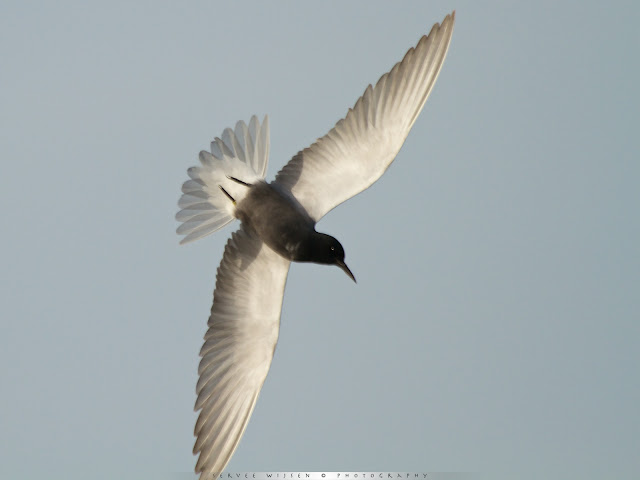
346, 270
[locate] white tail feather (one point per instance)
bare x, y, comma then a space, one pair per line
242, 154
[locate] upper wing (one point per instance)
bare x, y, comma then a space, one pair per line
358, 150
238, 347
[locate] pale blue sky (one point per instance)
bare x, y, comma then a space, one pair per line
494, 326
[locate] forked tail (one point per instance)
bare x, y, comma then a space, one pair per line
236, 160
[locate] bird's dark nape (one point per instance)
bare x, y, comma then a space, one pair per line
327, 250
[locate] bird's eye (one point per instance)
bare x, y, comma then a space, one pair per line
332, 248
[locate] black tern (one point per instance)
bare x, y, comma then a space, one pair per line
278, 227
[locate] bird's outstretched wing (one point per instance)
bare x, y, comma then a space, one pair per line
358, 150
238, 348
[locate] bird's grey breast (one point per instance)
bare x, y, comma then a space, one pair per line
277, 218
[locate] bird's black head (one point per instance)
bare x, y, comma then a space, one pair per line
327, 250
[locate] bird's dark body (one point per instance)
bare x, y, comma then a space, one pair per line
278, 219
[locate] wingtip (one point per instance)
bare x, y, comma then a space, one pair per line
450, 18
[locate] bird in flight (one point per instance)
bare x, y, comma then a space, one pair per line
278, 227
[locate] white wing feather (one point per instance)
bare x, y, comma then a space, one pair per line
359, 149
238, 348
